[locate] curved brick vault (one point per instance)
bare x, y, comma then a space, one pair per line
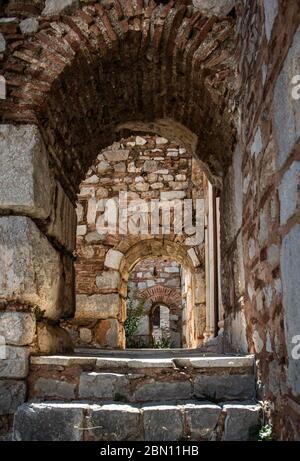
86, 72
160, 294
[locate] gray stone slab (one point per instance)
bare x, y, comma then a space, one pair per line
49, 422
25, 184
31, 270
271, 12
53, 388
290, 270
202, 420
163, 391
63, 220
224, 387
12, 394
2, 43
286, 107
289, 192
241, 420
102, 385
163, 423
18, 328
115, 422
15, 365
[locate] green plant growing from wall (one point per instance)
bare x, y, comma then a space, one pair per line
39, 314
135, 310
265, 433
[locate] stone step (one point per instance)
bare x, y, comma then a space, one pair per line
143, 362
142, 380
190, 420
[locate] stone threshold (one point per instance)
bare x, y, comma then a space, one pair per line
114, 362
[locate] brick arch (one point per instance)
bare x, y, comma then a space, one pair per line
160, 294
128, 255
85, 73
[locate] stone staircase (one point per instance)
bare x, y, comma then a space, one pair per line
131, 396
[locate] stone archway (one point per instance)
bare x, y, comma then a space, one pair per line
70, 88
172, 299
165, 248
58, 144
92, 70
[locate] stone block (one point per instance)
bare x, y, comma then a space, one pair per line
240, 421
214, 7
53, 388
140, 141
107, 333
163, 423
115, 422
161, 141
273, 255
25, 184
53, 7
15, 365
99, 306
12, 394
289, 192
95, 237
290, 270
202, 420
116, 155
236, 332
108, 280
31, 268
258, 342
218, 387
18, 328
256, 146
2, 43
53, 339
113, 259
29, 26
102, 385
172, 195
150, 166
68, 289
163, 391
192, 254
85, 335
271, 11
143, 327
103, 167
286, 108
53, 422
81, 230
63, 220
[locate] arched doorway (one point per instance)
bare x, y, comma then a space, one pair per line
154, 283
160, 327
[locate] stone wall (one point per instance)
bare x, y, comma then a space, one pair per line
149, 168
260, 207
37, 229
